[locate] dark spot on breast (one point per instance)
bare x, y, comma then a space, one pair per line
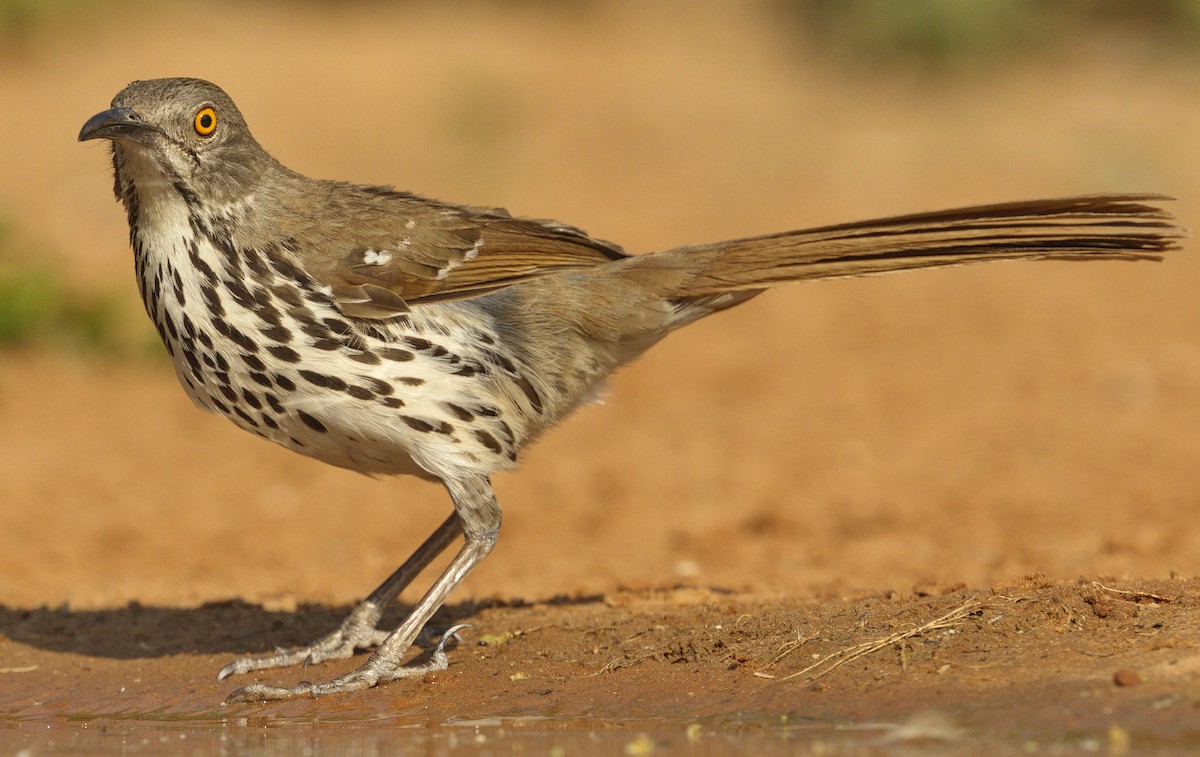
461, 413
392, 402
268, 313
410, 380
240, 294
311, 422
234, 335
315, 330
193, 364
267, 419
229, 393
288, 294
254, 363
327, 344
222, 377
339, 326
360, 392
222, 238
254, 262
218, 404
212, 300
465, 370
261, 379
251, 399
416, 423
505, 363
303, 315
394, 354
273, 401
161, 330
530, 393
322, 380
222, 363
178, 287
488, 441
198, 263
317, 296
288, 269
205, 339
283, 382
284, 353
365, 357
279, 334
378, 386
417, 344
242, 414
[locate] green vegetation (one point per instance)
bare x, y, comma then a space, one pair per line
942, 33
19, 18
38, 309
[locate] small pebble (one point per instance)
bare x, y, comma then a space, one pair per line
1128, 677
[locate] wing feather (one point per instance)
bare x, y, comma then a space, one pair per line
402, 250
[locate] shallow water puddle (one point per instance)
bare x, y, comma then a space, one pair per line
929, 733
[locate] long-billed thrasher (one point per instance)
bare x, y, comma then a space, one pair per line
388, 333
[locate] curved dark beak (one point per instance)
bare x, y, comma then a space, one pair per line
115, 123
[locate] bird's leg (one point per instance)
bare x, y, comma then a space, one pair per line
476, 507
358, 630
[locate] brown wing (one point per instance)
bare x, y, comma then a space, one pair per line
402, 250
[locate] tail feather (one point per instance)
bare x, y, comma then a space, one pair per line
1100, 227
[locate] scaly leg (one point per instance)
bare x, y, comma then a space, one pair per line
358, 630
479, 514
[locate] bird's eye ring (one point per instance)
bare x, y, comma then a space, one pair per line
206, 121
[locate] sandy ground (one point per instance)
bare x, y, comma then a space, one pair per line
829, 465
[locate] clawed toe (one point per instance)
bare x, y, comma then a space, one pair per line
357, 632
277, 660
451, 634
257, 692
377, 669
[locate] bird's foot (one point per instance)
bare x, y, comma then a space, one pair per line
356, 632
378, 669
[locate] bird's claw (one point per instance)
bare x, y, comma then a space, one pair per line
352, 636
374, 671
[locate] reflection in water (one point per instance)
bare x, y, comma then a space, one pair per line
527, 736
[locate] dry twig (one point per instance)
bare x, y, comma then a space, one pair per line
1134, 596
831, 661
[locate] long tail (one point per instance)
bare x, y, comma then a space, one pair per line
1098, 227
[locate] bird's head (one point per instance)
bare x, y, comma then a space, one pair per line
185, 132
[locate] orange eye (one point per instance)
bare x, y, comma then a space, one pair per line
206, 121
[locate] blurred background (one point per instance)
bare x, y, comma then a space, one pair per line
925, 429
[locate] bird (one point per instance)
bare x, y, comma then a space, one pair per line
393, 334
